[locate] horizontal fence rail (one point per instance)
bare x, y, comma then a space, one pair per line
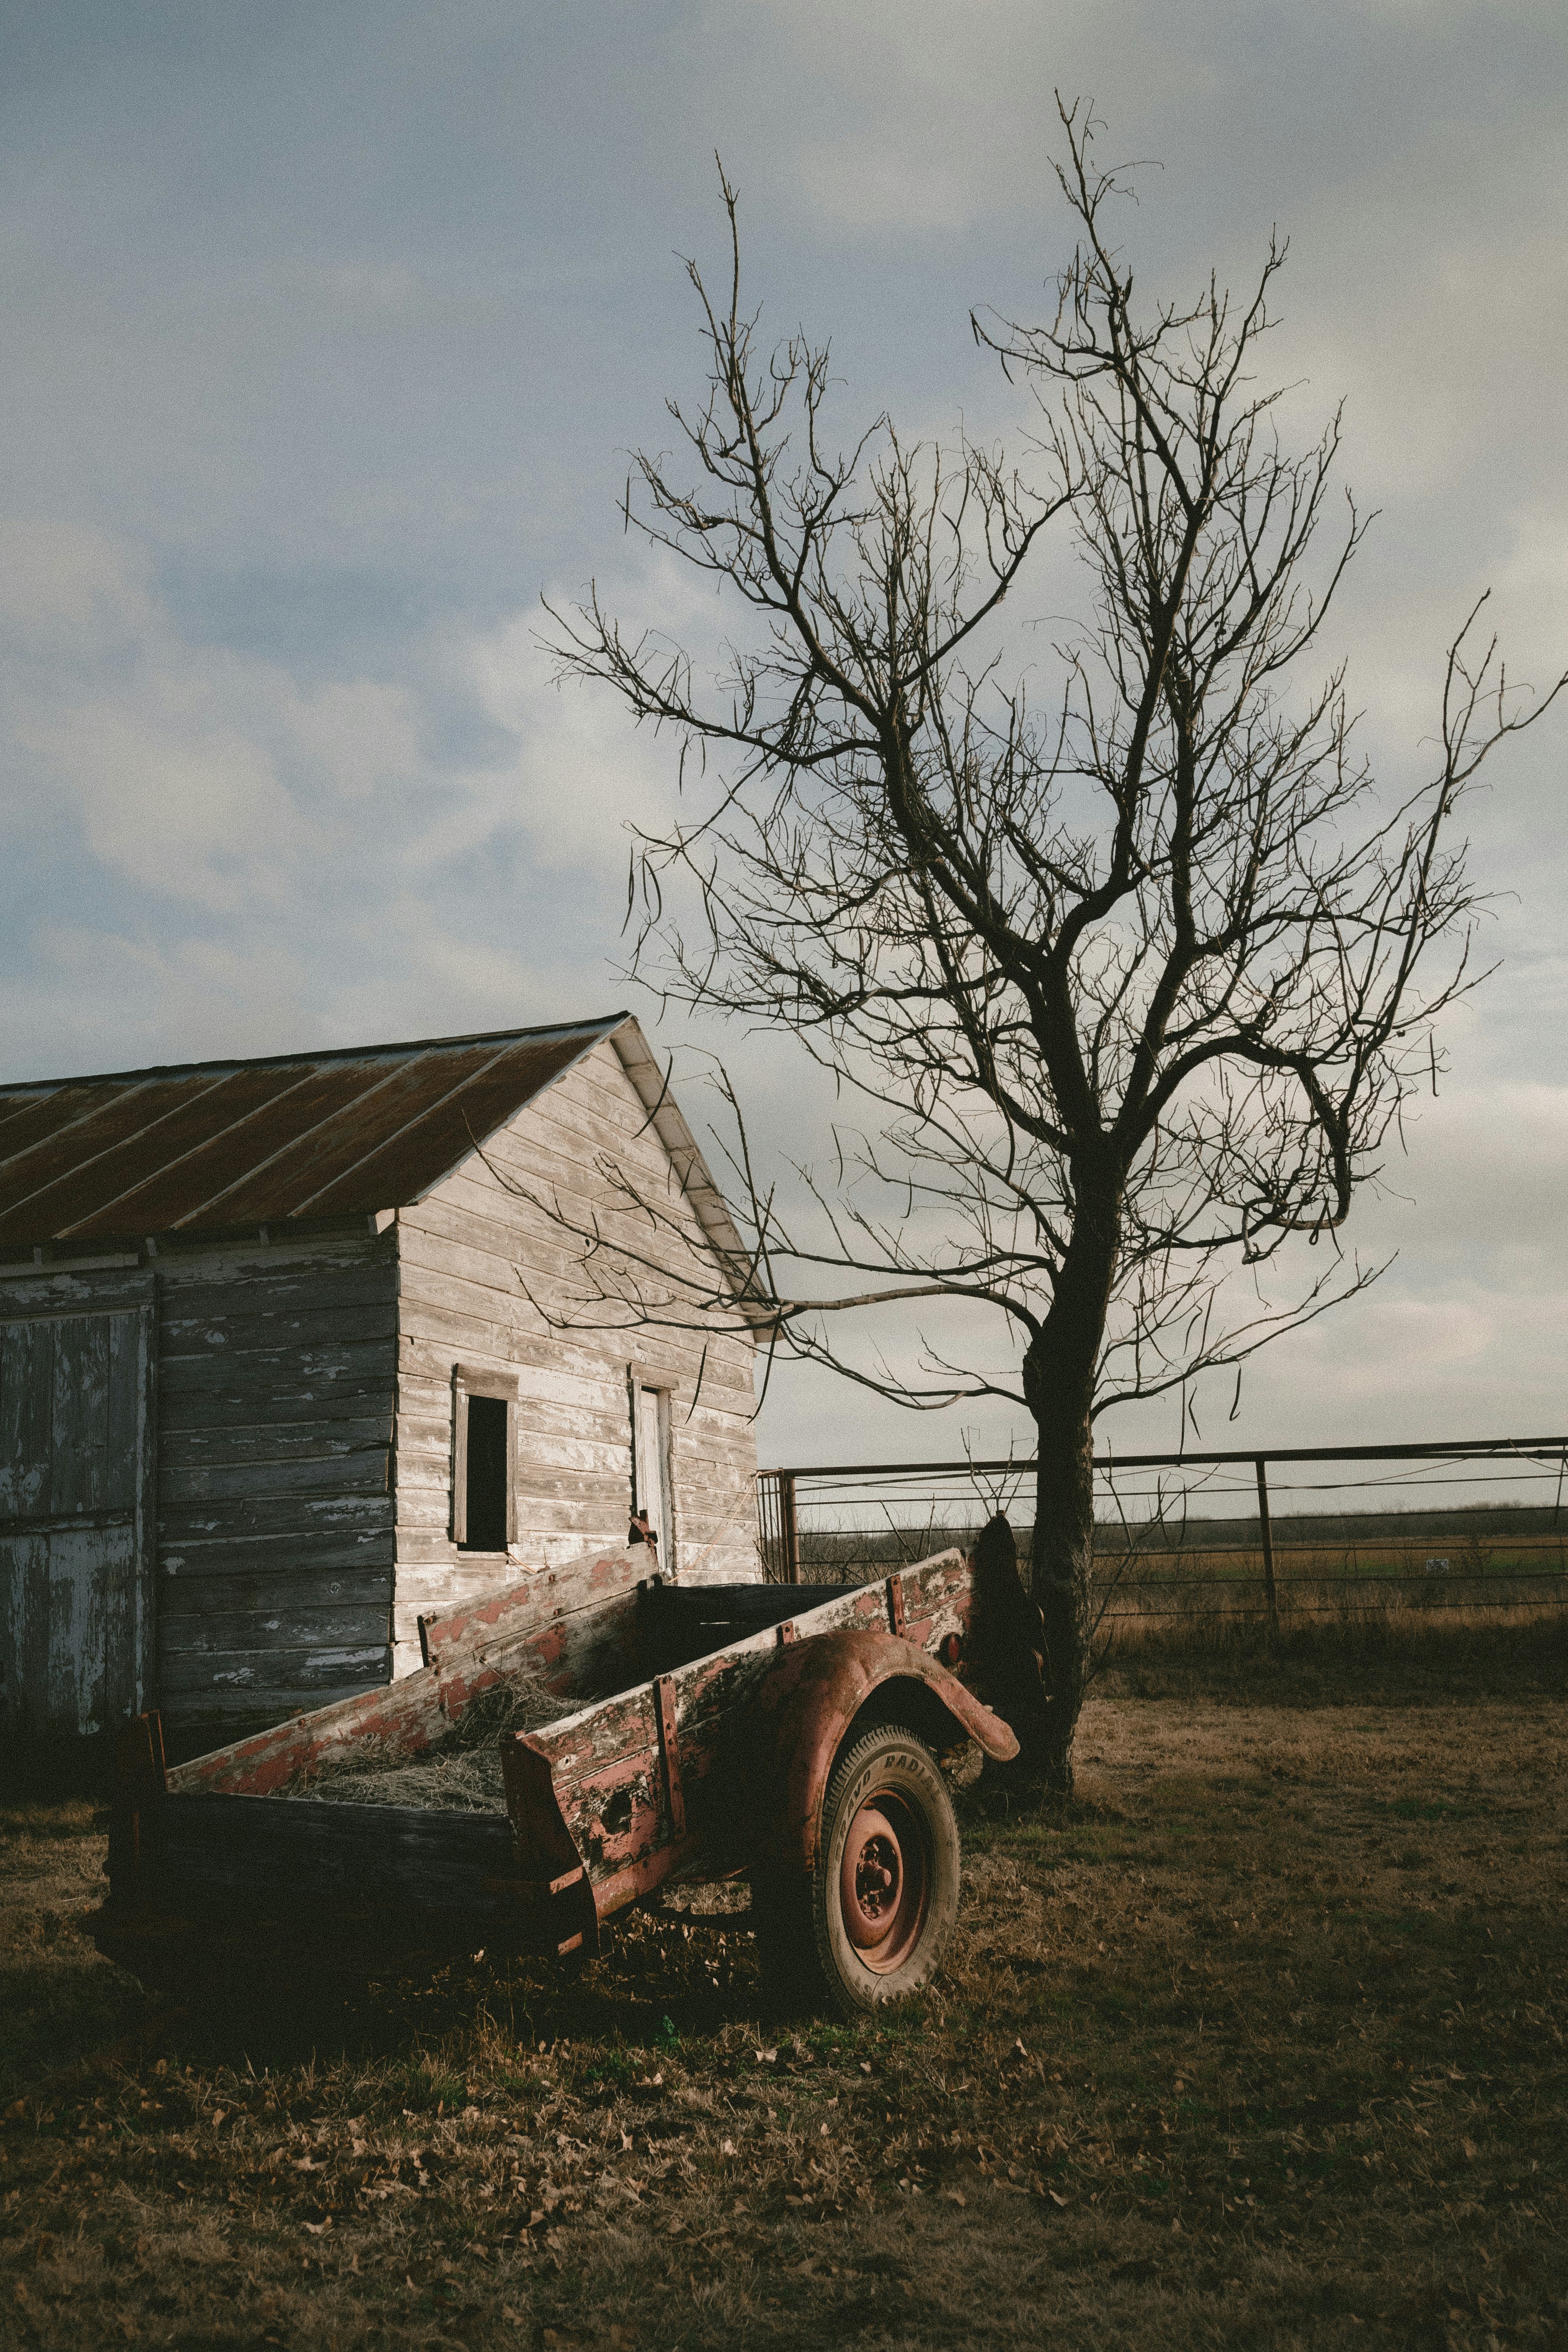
1285, 1535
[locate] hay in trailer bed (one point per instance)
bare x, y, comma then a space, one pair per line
459, 1774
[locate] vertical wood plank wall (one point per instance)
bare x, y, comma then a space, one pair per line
460, 1254
75, 1585
277, 1386
275, 1390
274, 1497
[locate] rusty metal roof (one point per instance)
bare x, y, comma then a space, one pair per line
212, 1146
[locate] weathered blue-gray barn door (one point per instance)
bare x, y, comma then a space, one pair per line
76, 1506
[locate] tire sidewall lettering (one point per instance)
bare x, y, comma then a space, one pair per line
905, 1769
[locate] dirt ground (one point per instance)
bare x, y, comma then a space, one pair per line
1258, 2042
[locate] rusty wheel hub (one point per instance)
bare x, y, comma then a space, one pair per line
882, 1883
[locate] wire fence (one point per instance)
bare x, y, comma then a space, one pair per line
1288, 1535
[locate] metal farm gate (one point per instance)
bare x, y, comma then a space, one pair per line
1286, 1534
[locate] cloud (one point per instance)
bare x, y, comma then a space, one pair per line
280, 863
191, 771
582, 776
323, 338
65, 588
92, 997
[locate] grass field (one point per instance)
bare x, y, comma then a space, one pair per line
1258, 2041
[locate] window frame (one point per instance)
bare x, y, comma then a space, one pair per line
475, 1381
638, 1382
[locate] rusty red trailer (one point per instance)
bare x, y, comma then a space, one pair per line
794, 1734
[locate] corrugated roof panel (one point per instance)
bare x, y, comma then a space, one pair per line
293, 1184
27, 1117
73, 1161
447, 1129
312, 1097
222, 1144
40, 1116
130, 1187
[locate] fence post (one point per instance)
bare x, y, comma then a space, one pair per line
789, 1532
778, 1538
1270, 1596
768, 1529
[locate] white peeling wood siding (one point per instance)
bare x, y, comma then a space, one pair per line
472, 1258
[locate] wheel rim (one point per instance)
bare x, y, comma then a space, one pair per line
884, 1882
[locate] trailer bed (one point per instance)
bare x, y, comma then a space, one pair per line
658, 1764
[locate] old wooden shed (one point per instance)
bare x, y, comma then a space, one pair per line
282, 1370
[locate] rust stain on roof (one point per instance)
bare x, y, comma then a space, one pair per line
215, 1145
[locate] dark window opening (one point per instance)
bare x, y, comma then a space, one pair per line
487, 1475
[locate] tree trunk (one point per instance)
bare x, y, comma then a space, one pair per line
1058, 1385
1061, 1575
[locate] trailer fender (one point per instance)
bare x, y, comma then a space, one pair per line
804, 1714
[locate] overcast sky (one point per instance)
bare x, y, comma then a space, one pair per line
327, 327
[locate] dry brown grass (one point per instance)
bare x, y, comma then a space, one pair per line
1258, 2042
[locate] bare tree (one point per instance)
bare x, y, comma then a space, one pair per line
1136, 982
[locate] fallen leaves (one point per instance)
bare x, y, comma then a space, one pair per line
963, 2110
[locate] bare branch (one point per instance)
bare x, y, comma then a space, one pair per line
1132, 985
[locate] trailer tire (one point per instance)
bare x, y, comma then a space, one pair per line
872, 1922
